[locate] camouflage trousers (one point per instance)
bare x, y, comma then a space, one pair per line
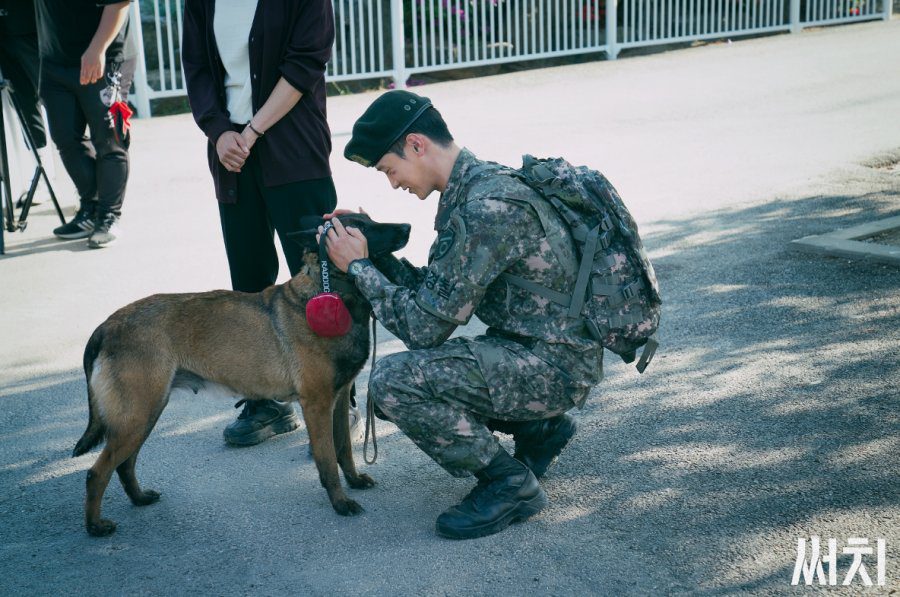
443, 397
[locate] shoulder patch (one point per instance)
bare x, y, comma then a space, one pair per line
445, 242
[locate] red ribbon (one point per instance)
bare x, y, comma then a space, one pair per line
121, 113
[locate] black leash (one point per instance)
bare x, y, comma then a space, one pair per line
370, 409
370, 404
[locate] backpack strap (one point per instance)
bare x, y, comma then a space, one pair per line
584, 273
615, 294
648, 352
548, 293
592, 239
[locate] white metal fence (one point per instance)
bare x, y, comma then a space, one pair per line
398, 38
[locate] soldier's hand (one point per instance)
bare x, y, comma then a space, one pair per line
344, 245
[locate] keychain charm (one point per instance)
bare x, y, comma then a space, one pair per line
119, 115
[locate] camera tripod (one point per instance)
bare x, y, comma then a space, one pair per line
7, 206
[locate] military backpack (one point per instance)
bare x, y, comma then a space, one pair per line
616, 293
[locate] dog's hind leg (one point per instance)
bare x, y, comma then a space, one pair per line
116, 451
129, 481
342, 444
131, 404
125, 470
317, 402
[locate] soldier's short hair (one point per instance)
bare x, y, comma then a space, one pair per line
430, 124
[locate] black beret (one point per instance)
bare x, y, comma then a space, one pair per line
382, 124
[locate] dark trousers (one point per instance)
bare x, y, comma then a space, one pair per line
97, 165
21, 64
248, 226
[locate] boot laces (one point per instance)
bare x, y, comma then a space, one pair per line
481, 493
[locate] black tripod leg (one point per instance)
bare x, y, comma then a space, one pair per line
29, 198
7, 212
43, 173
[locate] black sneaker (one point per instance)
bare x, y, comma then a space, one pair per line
507, 492
260, 420
81, 226
106, 229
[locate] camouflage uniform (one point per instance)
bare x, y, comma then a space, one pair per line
534, 362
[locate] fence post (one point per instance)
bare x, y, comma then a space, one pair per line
398, 44
612, 42
141, 87
796, 25
888, 9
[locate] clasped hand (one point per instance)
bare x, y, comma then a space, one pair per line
234, 148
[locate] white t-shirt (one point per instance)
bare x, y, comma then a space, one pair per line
231, 25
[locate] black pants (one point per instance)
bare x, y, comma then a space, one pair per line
97, 165
20, 63
248, 226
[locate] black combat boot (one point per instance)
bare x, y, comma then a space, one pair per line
507, 492
538, 443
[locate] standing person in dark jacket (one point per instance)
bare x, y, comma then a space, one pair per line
86, 65
255, 75
21, 63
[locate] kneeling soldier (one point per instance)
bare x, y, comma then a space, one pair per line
531, 366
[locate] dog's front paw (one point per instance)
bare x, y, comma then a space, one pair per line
347, 507
101, 528
361, 481
146, 498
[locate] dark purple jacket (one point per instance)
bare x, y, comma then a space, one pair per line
290, 39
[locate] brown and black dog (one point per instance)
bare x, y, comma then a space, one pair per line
259, 345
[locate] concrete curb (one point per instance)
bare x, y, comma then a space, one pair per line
845, 243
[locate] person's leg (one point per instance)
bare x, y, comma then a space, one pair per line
253, 263
67, 129
538, 443
440, 399
249, 235
20, 63
288, 204
111, 146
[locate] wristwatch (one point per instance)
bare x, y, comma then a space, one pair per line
356, 267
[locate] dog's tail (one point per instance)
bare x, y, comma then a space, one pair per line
96, 428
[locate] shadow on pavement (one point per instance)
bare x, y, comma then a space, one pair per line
771, 412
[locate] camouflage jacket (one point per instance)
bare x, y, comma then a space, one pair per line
486, 227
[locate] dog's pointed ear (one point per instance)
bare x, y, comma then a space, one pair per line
305, 235
387, 238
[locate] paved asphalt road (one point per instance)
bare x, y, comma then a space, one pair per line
770, 414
